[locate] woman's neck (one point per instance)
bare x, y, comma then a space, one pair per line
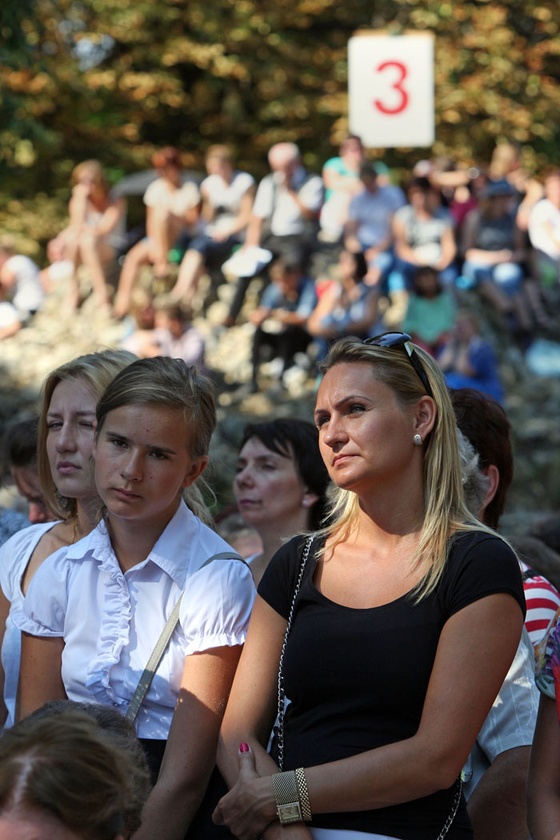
132, 541
273, 537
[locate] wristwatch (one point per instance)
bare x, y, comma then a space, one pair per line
287, 800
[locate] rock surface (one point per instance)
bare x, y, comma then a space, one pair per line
532, 402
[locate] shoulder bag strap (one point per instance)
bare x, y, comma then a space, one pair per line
148, 673
281, 692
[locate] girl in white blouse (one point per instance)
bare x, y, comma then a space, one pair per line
97, 608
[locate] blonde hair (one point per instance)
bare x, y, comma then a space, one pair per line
445, 511
95, 170
95, 371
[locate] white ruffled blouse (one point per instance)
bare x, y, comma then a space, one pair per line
110, 621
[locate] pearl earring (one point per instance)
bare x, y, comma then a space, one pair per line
417, 440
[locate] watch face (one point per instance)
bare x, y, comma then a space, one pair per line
289, 813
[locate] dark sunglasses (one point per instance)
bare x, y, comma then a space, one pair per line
401, 339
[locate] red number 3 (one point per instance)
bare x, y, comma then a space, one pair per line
397, 85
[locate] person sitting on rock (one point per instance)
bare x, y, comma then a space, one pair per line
21, 291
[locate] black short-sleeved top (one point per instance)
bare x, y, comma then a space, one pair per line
357, 678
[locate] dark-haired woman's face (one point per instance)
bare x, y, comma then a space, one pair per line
347, 264
267, 486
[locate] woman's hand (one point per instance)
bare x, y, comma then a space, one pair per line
250, 806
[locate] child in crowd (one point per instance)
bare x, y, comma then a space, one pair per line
430, 313
171, 333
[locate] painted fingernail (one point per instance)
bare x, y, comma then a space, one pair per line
243, 747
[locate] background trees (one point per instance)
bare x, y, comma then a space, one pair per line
115, 78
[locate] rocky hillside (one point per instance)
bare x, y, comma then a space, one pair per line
533, 402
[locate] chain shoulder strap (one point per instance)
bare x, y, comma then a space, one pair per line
281, 692
453, 812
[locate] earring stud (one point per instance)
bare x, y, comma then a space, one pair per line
417, 440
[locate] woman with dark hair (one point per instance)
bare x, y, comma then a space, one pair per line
348, 306
281, 483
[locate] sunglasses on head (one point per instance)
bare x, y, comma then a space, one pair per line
404, 341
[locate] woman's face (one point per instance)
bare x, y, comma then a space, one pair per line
267, 487
347, 265
70, 432
365, 437
143, 462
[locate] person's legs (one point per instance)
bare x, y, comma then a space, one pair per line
96, 253
139, 255
190, 271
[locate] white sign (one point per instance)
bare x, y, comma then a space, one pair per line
391, 89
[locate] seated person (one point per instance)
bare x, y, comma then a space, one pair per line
21, 291
172, 210
227, 198
544, 230
497, 770
494, 250
423, 234
346, 307
430, 313
281, 317
468, 360
369, 220
173, 334
94, 236
341, 178
68, 776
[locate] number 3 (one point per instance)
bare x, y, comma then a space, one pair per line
397, 85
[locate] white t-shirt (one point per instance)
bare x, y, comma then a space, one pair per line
511, 721
544, 219
226, 198
110, 621
274, 202
28, 293
14, 557
177, 201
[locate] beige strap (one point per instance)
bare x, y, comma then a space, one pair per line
148, 673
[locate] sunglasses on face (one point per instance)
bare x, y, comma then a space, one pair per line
402, 340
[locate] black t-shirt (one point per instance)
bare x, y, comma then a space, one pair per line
357, 678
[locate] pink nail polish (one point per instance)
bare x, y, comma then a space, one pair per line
244, 747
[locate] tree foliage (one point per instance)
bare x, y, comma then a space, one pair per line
115, 79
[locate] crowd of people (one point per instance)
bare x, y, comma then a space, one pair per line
343, 252
348, 649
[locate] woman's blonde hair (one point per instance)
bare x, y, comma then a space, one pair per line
95, 371
445, 511
92, 168
168, 382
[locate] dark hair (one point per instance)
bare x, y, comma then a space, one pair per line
61, 765
421, 271
360, 264
168, 156
420, 183
20, 442
291, 437
484, 423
